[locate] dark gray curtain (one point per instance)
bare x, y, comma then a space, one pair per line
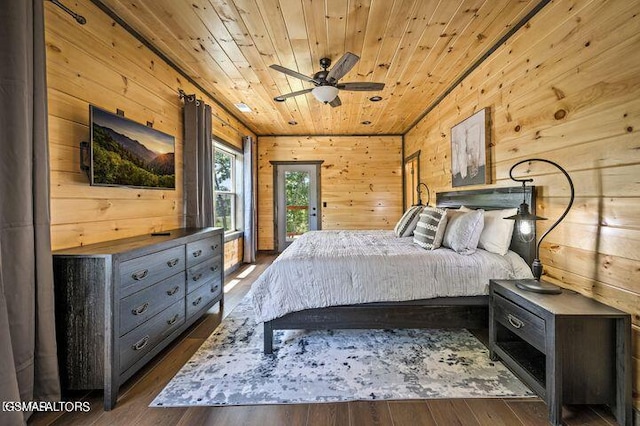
198, 163
28, 361
249, 191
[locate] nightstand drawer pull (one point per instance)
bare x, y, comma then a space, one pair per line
197, 301
173, 262
197, 253
173, 291
173, 320
515, 321
214, 247
197, 277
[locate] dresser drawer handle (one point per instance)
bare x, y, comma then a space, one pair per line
140, 275
214, 268
197, 253
140, 309
215, 247
514, 321
215, 288
197, 301
141, 343
173, 291
173, 262
197, 277
173, 320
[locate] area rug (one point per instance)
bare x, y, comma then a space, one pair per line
329, 366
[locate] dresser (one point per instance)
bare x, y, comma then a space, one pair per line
119, 303
568, 348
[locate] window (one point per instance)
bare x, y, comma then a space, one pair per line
228, 188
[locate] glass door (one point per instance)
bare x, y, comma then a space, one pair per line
297, 202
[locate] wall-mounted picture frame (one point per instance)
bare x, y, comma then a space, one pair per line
470, 150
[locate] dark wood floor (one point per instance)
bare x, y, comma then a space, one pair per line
135, 396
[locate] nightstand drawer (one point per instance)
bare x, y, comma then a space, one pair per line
525, 324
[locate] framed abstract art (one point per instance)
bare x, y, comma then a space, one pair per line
470, 150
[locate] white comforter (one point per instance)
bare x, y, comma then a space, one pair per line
330, 268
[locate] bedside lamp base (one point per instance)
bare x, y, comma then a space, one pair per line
535, 286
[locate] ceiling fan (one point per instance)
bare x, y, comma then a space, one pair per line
326, 81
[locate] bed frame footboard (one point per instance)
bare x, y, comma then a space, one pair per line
460, 312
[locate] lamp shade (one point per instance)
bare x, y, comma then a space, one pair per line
325, 93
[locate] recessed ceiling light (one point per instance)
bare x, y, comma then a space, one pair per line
243, 107
366, 123
279, 99
293, 122
375, 98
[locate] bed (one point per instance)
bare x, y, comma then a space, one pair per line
382, 278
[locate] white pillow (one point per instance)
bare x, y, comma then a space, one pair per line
463, 230
430, 229
497, 231
408, 221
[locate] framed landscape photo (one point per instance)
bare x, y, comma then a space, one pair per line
470, 150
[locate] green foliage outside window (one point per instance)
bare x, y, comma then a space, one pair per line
297, 202
225, 198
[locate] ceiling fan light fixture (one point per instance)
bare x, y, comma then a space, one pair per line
279, 99
325, 94
366, 122
375, 98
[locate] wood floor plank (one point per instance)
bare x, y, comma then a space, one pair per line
493, 412
577, 415
369, 413
411, 413
251, 415
451, 412
328, 414
530, 413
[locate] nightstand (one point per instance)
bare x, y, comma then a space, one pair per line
568, 348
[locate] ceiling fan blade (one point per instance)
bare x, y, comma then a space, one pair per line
361, 86
293, 73
336, 102
343, 66
281, 98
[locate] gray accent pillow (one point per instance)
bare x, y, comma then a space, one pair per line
430, 228
407, 223
463, 231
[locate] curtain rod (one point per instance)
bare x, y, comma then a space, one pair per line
79, 18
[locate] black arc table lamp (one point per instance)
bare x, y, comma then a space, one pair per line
526, 227
419, 191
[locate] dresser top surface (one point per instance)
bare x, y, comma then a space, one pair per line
140, 242
567, 303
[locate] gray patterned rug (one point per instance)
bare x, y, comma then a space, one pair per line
329, 366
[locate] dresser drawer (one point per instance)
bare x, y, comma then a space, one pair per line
200, 250
139, 307
525, 324
201, 296
141, 272
141, 340
202, 272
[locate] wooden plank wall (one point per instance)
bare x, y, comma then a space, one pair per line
361, 180
233, 253
100, 63
565, 88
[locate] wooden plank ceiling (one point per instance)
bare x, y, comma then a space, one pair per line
418, 48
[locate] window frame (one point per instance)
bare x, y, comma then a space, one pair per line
236, 185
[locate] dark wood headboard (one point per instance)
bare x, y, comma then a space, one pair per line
495, 199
